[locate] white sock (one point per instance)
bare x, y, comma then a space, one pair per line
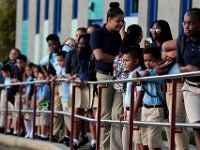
31, 130
76, 141
93, 142
26, 123
8, 131
15, 132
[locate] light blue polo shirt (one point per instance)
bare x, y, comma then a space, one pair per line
128, 88
43, 90
28, 87
174, 69
152, 89
65, 88
45, 61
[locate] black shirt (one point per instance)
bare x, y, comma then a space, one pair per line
110, 44
190, 55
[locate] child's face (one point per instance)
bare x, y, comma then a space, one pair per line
60, 61
129, 63
71, 43
13, 55
21, 64
53, 46
28, 71
35, 72
41, 76
149, 60
5, 73
78, 34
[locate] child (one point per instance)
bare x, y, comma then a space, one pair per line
64, 95
43, 103
133, 61
28, 77
18, 72
6, 96
153, 102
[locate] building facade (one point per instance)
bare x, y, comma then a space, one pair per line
38, 18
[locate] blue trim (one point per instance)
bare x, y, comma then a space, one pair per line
46, 16
129, 5
98, 21
75, 9
152, 13
185, 5
25, 10
38, 17
57, 16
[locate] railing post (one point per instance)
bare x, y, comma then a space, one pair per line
52, 110
173, 116
20, 108
100, 88
34, 110
131, 121
6, 114
72, 114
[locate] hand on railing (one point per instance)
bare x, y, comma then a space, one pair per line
122, 117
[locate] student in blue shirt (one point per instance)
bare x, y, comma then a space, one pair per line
64, 95
43, 103
133, 61
153, 101
53, 71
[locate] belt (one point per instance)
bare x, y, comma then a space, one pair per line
152, 106
104, 72
197, 85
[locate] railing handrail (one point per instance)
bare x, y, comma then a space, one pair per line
149, 78
143, 123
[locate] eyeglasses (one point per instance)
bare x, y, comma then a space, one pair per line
155, 30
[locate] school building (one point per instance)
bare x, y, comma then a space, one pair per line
38, 18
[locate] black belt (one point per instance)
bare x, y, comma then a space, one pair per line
152, 106
104, 72
197, 85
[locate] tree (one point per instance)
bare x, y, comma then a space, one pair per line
7, 27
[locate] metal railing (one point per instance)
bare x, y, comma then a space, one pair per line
172, 124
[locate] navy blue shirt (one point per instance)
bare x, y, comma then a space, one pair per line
191, 55
110, 44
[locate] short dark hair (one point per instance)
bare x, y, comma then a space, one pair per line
22, 57
53, 37
83, 29
61, 53
155, 51
96, 26
135, 53
114, 10
6, 68
195, 12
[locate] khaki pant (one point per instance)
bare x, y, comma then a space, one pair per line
58, 119
3, 106
67, 119
181, 139
109, 110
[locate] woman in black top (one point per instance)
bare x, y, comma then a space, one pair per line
105, 43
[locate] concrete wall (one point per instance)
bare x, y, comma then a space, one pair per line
18, 36
32, 28
169, 10
82, 13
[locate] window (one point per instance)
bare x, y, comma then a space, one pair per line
25, 10
185, 5
75, 9
57, 16
152, 13
46, 16
131, 7
38, 17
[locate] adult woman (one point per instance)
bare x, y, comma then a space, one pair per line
105, 43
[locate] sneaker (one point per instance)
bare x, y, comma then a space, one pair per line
92, 147
64, 140
84, 140
1, 129
75, 146
55, 138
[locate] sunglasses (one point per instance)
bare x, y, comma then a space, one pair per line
155, 30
